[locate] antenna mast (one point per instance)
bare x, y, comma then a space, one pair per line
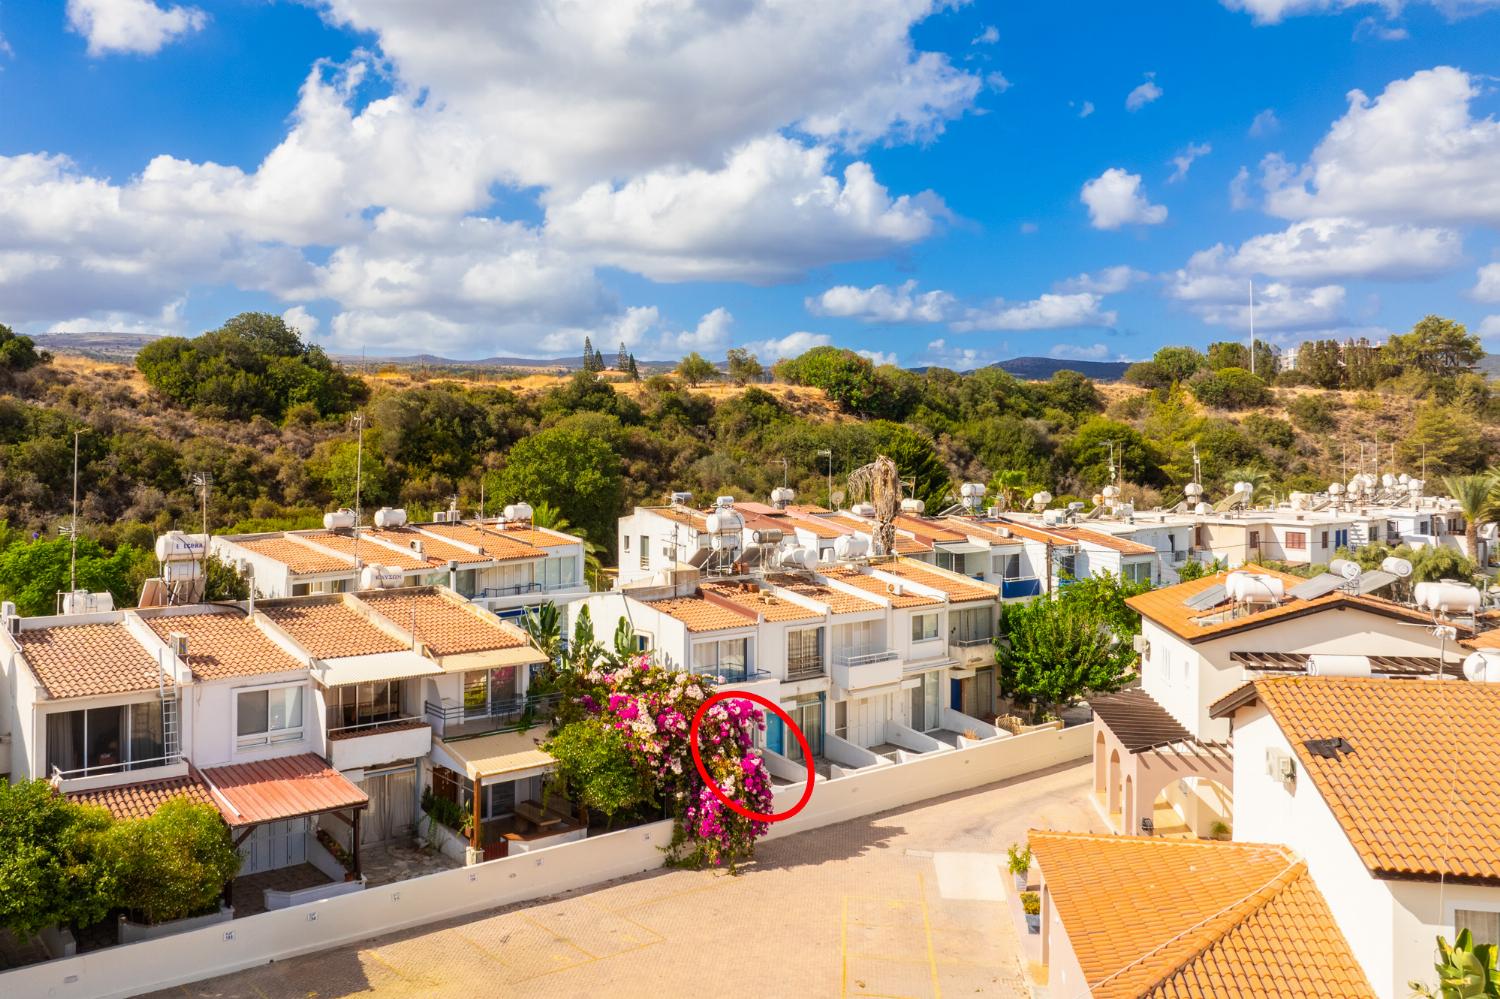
1252, 326
359, 463
202, 480
73, 527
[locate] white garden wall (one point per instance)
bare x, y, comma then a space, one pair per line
271, 936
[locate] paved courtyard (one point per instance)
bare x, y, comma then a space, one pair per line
908, 903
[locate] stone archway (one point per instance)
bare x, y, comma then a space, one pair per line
1101, 765
1195, 806
1129, 815
1114, 782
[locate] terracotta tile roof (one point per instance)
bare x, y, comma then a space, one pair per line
329, 628
906, 545
285, 787
880, 587
959, 588
1165, 606
79, 660
820, 527
445, 627
697, 521
837, 601
302, 559
806, 509
222, 645
1417, 796
754, 601
1483, 640
537, 537
139, 801
702, 615
504, 547
436, 552
928, 530
1031, 533
1124, 546
370, 553
1174, 919
986, 531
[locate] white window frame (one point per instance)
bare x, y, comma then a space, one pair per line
917, 636
271, 737
1136, 572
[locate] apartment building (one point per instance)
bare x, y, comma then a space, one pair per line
869, 657
504, 564
294, 716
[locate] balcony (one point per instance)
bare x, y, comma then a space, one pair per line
515, 715
857, 670
805, 667
372, 743
108, 774
731, 674
970, 650
514, 590
1013, 589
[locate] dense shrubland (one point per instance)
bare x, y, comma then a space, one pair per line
271, 420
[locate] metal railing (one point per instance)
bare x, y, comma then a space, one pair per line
805, 667
864, 658
514, 590
513, 715
970, 643
358, 727
125, 766
732, 674
1179, 557
1028, 586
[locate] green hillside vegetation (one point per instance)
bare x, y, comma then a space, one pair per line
269, 418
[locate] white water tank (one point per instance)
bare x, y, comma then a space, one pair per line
1192, 489
1041, 499
1110, 492
782, 495
913, 506
850, 546
723, 502
725, 521
84, 602
802, 558
1252, 588
390, 517
1345, 567
379, 577
1483, 666
175, 546
1447, 597
1399, 567
971, 490
1335, 489
1388, 480
517, 511
1321, 664
1244, 488
682, 499
1298, 501
863, 509
1054, 518
339, 520
1203, 509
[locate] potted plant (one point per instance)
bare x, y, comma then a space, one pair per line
1018, 859
1218, 830
1031, 905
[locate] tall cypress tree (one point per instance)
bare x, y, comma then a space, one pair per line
588, 354
622, 362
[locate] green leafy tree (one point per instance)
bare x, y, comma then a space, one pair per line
917, 461
1320, 362
1476, 501
544, 514
50, 874
1009, 489
1436, 346
1060, 647
18, 352
631, 369
1228, 354
1193, 569
1444, 440
848, 379
173, 864
595, 769
1087, 452
34, 573
695, 369
743, 366
1231, 388
572, 471
223, 581
543, 626
1465, 970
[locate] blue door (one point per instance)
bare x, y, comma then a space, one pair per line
775, 734
956, 694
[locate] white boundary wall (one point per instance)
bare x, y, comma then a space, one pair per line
273, 936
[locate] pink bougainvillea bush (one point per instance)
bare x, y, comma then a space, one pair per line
653, 708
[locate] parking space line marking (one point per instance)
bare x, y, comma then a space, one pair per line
937, 991
485, 951
559, 938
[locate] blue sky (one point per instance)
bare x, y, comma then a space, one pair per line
928, 182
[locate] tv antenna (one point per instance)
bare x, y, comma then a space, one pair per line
201, 482
1252, 326
73, 525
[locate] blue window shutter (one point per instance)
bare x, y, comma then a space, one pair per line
775, 730
956, 694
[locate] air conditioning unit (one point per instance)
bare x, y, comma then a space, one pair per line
179, 643
13, 624
1280, 766
1142, 646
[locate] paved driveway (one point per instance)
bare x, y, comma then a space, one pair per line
906, 903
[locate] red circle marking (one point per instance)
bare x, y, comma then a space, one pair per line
713, 785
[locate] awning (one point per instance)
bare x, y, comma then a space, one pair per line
399, 665
521, 655
512, 754
287, 787
962, 547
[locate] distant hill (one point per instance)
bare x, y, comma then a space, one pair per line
102, 346
1042, 368
1489, 366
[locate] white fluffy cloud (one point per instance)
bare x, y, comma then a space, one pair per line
1108, 281
1116, 198
1414, 154
1265, 123
1487, 286
883, 304
1183, 161
1046, 312
945, 355
1080, 351
1211, 288
1144, 94
770, 213
1273, 11
878, 357
298, 318
1319, 249
139, 26
790, 345
1489, 327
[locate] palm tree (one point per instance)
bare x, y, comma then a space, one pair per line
1476, 500
1259, 479
1009, 488
546, 515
